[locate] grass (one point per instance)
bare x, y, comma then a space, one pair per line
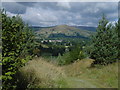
39, 73
42, 74
101, 76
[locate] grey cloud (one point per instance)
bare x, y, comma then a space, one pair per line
29, 4
14, 7
72, 13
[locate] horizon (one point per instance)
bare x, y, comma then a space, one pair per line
62, 25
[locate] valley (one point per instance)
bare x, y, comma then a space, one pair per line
59, 45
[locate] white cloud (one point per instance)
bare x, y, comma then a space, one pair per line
78, 17
89, 24
65, 5
39, 16
10, 14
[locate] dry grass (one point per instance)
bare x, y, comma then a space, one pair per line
104, 76
78, 67
43, 74
101, 76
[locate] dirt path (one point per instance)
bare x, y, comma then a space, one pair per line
74, 82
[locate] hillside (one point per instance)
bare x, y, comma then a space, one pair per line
63, 31
42, 74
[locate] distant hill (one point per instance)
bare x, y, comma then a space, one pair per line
63, 31
36, 28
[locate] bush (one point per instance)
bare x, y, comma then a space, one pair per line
69, 57
17, 43
104, 48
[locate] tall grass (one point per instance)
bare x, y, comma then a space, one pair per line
40, 74
101, 76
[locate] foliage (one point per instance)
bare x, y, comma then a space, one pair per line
17, 45
36, 51
104, 48
117, 35
69, 57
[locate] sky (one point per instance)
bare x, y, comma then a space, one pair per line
59, 13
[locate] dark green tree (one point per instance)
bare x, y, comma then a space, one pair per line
104, 43
17, 45
117, 35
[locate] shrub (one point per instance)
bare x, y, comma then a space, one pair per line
69, 57
17, 43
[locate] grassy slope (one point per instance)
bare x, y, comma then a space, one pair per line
98, 77
76, 75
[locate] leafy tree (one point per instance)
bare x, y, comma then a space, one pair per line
104, 47
17, 44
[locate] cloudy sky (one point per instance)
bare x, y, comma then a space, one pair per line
57, 13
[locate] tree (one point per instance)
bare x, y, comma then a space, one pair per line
104, 47
17, 43
117, 35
